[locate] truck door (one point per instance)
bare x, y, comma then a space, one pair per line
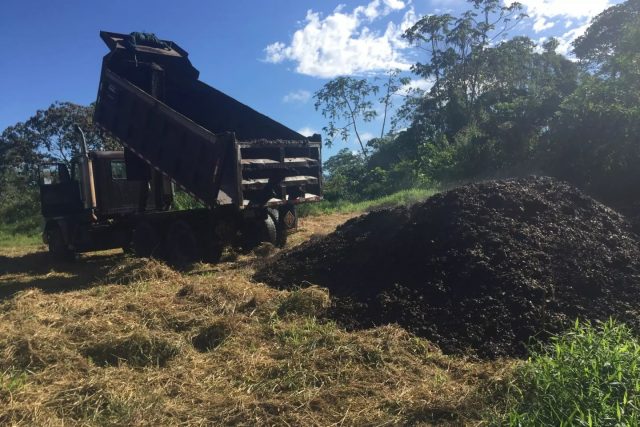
118, 195
59, 194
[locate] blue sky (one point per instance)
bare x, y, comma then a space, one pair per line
271, 55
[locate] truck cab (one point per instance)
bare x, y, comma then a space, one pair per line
94, 191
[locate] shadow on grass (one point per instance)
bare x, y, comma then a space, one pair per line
38, 270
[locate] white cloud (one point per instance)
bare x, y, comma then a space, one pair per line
395, 4
307, 131
574, 15
301, 96
416, 85
545, 11
567, 38
542, 24
366, 136
342, 43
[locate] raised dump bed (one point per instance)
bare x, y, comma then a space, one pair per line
216, 148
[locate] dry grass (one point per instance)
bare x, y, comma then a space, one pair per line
115, 340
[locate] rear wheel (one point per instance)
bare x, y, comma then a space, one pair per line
146, 240
181, 245
281, 231
58, 248
213, 252
258, 231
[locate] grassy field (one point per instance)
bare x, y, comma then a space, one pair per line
10, 238
111, 339
116, 340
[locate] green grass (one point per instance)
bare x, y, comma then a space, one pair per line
589, 376
12, 380
404, 197
9, 237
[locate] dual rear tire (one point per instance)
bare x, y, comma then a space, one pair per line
58, 248
146, 240
180, 246
259, 231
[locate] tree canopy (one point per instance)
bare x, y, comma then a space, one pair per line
502, 105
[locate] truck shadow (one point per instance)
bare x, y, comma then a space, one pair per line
38, 270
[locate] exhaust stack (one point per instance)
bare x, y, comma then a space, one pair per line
86, 174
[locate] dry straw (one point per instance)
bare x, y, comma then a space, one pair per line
140, 344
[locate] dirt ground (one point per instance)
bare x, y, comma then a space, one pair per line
115, 340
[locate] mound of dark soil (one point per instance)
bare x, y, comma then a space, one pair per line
480, 269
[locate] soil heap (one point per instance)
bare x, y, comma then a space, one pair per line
479, 269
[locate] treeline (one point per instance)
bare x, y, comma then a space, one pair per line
498, 107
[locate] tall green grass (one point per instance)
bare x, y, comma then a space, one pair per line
10, 237
404, 197
11, 240
589, 376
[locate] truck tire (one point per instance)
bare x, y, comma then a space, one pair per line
212, 252
146, 240
281, 231
258, 231
58, 248
269, 231
181, 245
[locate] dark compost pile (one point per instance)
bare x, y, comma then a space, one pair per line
479, 269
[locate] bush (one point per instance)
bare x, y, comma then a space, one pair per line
588, 376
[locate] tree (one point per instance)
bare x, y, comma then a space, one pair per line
347, 102
492, 101
594, 141
392, 85
50, 135
604, 40
344, 173
344, 101
455, 48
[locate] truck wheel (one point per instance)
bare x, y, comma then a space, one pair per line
280, 229
146, 240
181, 245
256, 232
58, 249
213, 252
269, 231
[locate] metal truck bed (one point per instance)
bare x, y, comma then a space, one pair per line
216, 148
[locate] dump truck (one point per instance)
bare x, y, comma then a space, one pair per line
246, 171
